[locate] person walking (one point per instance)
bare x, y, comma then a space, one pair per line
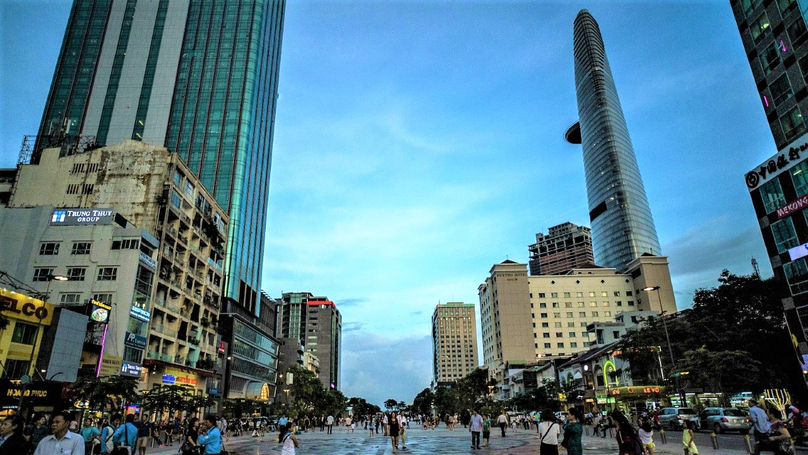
188, 446
486, 430
761, 424
282, 422
370, 427
627, 439
126, 434
647, 438
107, 430
402, 430
778, 433
211, 438
549, 432
393, 430
329, 422
90, 435
144, 432
688, 440
289, 441
573, 431
475, 427
61, 440
502, 421
11, 440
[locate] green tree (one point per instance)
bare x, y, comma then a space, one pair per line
113, 392
165, 398
390, 404
445, 400
719, 371
422, 403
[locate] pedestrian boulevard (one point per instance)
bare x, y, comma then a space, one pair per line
439, 441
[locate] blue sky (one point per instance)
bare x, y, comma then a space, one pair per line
418, 143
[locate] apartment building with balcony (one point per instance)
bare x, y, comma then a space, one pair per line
153, 189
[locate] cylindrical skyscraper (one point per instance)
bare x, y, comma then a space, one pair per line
622, 225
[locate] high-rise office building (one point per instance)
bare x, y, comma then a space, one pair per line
622, 225
563, 248
198, 77
454, 341
317, 323
774, 36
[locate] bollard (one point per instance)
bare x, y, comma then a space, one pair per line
662, 436
714, 438
748, 441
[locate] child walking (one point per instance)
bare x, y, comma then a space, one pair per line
687, 440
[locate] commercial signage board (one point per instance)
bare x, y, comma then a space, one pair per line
81, 217
110, 365
786, 158
180, 377
792, 207
100, 312
134, 340
169, 379
140, 313
36, 393
19, 306
131, 370
798, 252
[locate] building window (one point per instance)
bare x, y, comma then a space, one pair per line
796, 31
582, 314
785, 5
769, 59
42, 274
572, 334
566, 295
559, 334
569, 314
541, 295
617, 293
593, 304
604, 303
14, 369
799, 176
554, 295
570, 324
80, 248
749, 6
607, 313
581, 304
560, 345
545, 335
49, 249
557, 324
105, 298
784, 235
591, 294
574, 344
781, 89
618, 303
542, 305
76, 273
630, 303
107, 273
70, 298
555, 304
547, 345
759, 27
126, 244
792, 123
545, 325
131, 354
772, 195
567, 304
543, 315
797, 276
594, 314
24, 333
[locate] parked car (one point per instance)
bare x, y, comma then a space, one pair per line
723, 419
675, 418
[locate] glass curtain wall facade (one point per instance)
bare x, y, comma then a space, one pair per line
622, 226
199, 77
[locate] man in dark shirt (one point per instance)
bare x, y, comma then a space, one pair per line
144, 432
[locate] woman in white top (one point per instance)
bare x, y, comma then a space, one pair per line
289, 441
549, 431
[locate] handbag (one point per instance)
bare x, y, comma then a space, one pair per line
786, 448
123, 449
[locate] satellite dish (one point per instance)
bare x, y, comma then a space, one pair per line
25, 379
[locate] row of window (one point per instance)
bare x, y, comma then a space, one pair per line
569, 314
567, 295
77, 273
546, 325
52, 248
593, 303
573, 344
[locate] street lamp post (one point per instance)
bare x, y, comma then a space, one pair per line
667, 338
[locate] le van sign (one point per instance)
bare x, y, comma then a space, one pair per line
79, 217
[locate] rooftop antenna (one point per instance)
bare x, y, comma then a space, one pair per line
755, 268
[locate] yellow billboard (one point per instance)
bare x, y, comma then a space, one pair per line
19, 306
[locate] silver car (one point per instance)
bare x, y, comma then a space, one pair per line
675, 418
723, 419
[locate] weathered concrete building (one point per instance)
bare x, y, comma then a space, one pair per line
154, 190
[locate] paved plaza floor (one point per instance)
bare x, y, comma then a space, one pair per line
439, 441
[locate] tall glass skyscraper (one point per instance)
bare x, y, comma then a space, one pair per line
197, 76
622, 225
